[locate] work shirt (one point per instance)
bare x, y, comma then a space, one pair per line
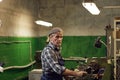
52, 60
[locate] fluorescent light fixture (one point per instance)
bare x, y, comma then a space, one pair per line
91, 7
43, 23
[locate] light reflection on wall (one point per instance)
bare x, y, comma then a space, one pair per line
23, 26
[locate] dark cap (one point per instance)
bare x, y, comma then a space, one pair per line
55, 30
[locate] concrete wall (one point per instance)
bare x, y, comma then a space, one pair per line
18, 16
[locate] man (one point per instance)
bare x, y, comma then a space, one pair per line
52, 62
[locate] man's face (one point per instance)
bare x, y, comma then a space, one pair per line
56, 39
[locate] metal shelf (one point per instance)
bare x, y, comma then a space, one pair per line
116, 47
117, 39
117, 55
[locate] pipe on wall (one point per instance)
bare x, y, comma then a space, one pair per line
19, 67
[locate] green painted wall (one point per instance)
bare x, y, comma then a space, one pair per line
82, 46
15, 51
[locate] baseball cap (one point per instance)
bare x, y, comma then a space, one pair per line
55, 30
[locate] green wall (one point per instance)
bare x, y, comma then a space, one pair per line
18, 51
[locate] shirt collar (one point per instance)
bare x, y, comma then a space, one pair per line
53, 46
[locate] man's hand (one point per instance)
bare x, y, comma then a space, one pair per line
1, 69
81, 73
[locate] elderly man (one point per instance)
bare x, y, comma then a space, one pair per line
52, 62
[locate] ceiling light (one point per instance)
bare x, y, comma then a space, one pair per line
43, 23
91, 7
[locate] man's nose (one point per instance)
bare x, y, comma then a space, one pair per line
60, 38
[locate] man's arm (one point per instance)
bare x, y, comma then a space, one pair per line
74, 73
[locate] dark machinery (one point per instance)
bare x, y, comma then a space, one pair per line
94, 70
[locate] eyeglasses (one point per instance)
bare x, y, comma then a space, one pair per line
58, 36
